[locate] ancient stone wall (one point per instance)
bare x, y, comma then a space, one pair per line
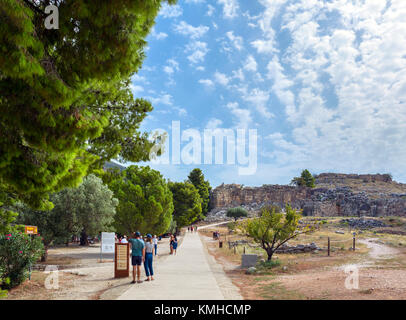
337, 201
226, 196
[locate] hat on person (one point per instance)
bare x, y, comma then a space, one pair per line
137, 234
149, 235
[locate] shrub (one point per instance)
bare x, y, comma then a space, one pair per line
17, 253
236, 213
231, 226
269, 264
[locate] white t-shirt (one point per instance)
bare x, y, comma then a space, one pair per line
149, 247
155, 240
124, 240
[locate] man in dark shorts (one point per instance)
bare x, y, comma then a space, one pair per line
137, 255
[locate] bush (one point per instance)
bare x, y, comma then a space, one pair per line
231, 226
236, 213
269, 264
17, 253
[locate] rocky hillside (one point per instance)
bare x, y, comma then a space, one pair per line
334, 195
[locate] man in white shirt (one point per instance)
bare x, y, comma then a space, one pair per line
155, 243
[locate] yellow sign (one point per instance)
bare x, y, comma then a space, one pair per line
31, 230
122, 259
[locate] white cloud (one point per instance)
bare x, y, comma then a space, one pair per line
242, 116
221, 78
195, 1
214, 123
136, 89
158, 35
170, 11
198, 50
171, 67
200, 68
250, 64
186, 29
230, 8
236, 41
164, 98
345, 96
206, 82
239, 74
210, 10
259, 99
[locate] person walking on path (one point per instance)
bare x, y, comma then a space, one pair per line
149, 253
174, 244
171, 244
155, 243
137, 255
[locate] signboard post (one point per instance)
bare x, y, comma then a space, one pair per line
121, 260
30, 229
107, 243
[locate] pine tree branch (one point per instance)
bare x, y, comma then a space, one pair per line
33, 7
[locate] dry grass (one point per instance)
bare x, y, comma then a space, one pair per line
314, 275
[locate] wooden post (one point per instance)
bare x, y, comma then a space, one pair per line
328, 246
244, 249
353, 244
121, 260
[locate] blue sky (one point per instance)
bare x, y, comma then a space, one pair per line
322, 82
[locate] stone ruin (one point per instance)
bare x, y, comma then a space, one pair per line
333, 199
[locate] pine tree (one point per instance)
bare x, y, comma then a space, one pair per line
196, 177
187, 203
65, 102
145, 201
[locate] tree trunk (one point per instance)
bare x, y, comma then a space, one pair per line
270, 253
83, 239
45, 254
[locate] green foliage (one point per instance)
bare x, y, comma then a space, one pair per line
17, 253
66, 103
186, 202
196, 178
306, 179
172, 227
272, 229
231, 226
145, 201
89, 208
271, 208
237, 213
269, 264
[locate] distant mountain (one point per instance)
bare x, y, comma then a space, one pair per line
111, 164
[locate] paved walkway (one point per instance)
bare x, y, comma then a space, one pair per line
190, 275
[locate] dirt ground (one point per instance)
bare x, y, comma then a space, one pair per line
381, 270
81, 275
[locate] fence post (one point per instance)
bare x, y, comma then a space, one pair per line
328, 246
353, 244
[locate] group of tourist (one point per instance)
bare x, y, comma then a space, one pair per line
191, 229
142, 251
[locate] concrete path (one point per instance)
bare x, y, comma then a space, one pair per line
191, 274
